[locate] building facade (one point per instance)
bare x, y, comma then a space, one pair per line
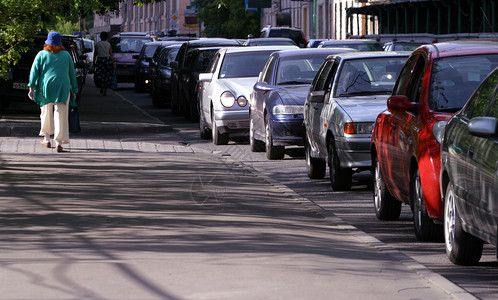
163, 18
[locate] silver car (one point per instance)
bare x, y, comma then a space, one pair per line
225, 90
346, 95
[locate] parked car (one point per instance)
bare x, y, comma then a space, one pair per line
225, 89
295, 34
469, 175
89, 50
359, 44
313, 43
277, 100
124, 46
401, 46
346, 95
14, 87
142, 70
179, 70
269, 42
161, 75
199, 62
434, 83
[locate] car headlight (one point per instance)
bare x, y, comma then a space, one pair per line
242, 101
227, 99
438, 130
288, 109
358, 128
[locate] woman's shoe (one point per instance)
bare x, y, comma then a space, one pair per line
59, 148
46, 144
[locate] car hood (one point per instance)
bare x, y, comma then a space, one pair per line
363, 108
239, 86
293, 94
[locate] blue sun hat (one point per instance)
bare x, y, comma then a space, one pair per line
54, 38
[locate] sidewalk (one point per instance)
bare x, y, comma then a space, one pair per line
134, 220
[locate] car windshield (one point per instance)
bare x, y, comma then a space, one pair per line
128, 44
455, 78
358, 46
244, 64
150, 50
368, 76
299, 69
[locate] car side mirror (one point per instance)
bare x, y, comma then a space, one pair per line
317, 96
485, 127
136, 56
262, 87
174, 65
401, 103
205, 77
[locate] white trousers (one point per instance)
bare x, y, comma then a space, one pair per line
54, 120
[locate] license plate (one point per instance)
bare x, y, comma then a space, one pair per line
20, 86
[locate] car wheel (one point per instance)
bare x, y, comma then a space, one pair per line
387, 208
218, 138
139, 86
272, 152
156, 99
340, 178
425, 229
205, 133
315, 167
462, 248
255, 145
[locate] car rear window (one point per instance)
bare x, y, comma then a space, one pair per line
454, 79
243, 64
368, 76
128, 44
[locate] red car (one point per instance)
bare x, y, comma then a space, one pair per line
435, 82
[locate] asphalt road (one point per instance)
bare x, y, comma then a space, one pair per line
355, 206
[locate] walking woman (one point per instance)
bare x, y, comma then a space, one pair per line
103, 63
53, 86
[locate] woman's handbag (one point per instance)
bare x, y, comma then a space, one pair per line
74, 120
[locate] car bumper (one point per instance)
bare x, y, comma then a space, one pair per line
287, 131
354, 152
232, 121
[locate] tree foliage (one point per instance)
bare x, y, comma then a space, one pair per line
227, 18
21, 19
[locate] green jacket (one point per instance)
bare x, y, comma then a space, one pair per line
53, 78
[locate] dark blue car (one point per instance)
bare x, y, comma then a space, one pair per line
277, 100
161, 76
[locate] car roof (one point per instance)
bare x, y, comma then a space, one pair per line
132, 34
304, 51
369, 54
461, 47
350, 41
259, 48
210, 41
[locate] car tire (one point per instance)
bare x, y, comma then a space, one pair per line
425, 228
156, 99
315, 167
340, 178
387, 208
204, 132
255, 145
462, 248
218, 138
272, 152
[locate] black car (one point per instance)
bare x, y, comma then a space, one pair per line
15, 88
199, 62
469, 175
269, 42
179, 68
142, 60
295, 34
359, 44
161, 75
